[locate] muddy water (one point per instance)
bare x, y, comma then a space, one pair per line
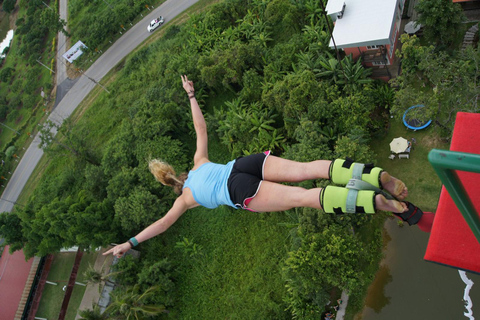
408, 287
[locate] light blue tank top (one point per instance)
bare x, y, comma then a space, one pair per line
208, 184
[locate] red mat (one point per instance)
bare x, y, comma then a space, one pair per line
14, 272
452, 242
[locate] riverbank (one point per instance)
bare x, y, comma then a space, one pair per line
408, 286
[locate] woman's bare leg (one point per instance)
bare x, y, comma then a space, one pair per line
273, 196
282, 170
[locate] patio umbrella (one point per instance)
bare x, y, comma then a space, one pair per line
398, 145
412, 27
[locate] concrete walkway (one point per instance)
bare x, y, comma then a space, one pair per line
341, 310
92, 292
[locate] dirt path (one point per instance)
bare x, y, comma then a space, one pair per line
13, 16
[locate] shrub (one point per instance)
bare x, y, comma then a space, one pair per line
6, 73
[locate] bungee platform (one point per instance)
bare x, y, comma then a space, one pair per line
455, 234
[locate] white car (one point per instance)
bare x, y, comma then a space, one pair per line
155, 24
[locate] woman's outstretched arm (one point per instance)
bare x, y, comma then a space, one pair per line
201, 153
156, 228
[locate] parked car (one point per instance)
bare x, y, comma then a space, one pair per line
155, 24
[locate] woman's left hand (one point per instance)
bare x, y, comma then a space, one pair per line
188, 85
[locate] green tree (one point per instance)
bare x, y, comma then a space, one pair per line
442, 83
283, 15
354, 149
73, 142
99, 277
248, 129
11, 230
6, 73
52, 20
10, 151
159, 273
442, 21
126, 271
72, 221
119, 150
353, 110
412, 53
131, 304
292, 96
224, 68
354, 76
139, 209
8, 5
92, 314
324, 259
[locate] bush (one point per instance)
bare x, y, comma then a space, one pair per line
6, 73
159, 274
8, 5
128, 268
10, 151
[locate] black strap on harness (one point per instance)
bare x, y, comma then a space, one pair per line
412, 216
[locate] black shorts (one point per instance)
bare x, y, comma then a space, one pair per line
246, 178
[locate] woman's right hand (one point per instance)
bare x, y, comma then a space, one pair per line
119, 250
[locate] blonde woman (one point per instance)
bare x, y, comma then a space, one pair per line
254, 183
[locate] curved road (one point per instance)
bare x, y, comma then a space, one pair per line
122, 47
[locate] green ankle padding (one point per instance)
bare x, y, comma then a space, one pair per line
334, 200
339, 174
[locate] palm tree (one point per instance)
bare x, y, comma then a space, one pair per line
354, 74
329, 68
94, 314
132, 305
94, 276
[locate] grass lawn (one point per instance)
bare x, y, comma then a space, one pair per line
52, 296
423, 184
78, 290
239, 254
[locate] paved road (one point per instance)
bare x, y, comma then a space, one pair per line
61, 71
122, 47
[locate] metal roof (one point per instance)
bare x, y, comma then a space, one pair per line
364, 22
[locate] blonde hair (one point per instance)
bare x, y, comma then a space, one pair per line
165, 174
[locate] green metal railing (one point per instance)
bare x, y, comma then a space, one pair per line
445, 163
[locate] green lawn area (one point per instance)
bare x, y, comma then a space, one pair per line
239, 253
52, 296
423, 184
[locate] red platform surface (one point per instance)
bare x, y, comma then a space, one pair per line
452, 242
14, 272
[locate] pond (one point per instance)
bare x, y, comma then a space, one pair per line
408, 287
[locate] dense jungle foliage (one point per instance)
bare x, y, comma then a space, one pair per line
266, 79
